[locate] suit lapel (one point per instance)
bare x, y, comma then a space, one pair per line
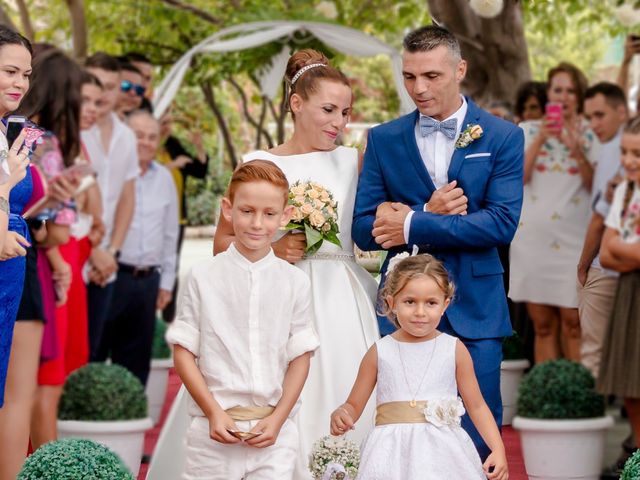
472, 116
413, 152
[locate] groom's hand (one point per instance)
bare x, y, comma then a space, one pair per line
448, 200
388, 228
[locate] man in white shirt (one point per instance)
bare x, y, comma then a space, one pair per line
605, 107
146, 266
111, 146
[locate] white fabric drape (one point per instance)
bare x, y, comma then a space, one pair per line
250, 35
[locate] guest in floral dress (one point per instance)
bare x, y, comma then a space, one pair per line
558, 172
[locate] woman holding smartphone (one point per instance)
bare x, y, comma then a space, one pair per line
545, 250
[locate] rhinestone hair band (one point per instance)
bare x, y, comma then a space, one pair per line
304, 69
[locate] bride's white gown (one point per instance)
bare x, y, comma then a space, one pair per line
344, 305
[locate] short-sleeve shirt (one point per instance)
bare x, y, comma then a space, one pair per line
244, 321
624, 217
113, 167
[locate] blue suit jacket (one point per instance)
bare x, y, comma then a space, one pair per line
489, 170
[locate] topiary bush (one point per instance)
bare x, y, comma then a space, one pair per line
160, 348
102, 392
513, 347
73, 459
559, 389
631, 469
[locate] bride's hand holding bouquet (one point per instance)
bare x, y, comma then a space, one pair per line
315, 213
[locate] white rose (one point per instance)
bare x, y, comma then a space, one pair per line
297, 215
312, 193
306, 209
297, 190
317, 219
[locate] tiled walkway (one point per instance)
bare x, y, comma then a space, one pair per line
511, 439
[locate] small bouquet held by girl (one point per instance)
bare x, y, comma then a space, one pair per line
315, 212
334, 458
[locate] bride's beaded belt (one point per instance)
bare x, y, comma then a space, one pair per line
345, 257
240, 414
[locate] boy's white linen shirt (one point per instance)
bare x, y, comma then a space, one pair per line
245, 322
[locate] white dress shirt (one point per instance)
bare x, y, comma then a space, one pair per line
606, 156
152, 238
114, 167
244, 321
436, 150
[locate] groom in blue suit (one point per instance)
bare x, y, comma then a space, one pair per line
447, 178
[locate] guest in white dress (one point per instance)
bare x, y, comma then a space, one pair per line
558, 173
419, 372
343, 293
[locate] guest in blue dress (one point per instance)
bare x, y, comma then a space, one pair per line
15, 68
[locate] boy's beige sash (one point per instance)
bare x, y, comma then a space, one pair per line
400, 412
240, 414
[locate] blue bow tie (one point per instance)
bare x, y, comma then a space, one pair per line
448, 127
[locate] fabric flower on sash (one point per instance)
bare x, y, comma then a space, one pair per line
444, 411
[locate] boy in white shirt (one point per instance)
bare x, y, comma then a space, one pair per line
246, 317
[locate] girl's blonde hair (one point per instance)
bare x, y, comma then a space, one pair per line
632, 127
408, 269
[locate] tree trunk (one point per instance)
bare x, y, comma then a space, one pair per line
25, 20
78, 28
209, 96
5, 19
495, 48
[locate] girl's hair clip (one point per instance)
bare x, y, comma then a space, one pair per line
393, 262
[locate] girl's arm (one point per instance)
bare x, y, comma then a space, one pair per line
480, 414
347, 414
618, 255
219, 421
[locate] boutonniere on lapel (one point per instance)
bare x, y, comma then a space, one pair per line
470, 134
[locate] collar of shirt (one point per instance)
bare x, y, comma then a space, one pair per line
247, 264
458, 115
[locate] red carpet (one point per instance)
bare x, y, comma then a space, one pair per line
510, 437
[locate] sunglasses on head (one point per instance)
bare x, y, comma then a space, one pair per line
126, 85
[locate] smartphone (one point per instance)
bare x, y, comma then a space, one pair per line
15, 124
553, 112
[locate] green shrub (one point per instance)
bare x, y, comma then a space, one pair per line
73, 459
559, 389
160, 349
631, 469
513, 347
104, 392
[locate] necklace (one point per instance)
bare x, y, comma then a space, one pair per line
412, 402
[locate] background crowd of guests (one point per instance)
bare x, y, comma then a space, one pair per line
85, 272
90, 224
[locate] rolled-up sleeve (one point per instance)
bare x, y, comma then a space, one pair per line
302, 335
185, 329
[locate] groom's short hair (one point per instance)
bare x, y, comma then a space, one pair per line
429, 37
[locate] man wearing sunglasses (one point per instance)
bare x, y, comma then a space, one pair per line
131, 90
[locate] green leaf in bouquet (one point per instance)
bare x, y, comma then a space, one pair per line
294, 226
313, 237
313, 249
332, 237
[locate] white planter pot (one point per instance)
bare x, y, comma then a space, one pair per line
511, 372
124, 437
563, 449
156, 389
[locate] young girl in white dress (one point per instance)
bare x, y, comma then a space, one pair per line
419, 372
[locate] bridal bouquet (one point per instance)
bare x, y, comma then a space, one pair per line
315, 213
334, 458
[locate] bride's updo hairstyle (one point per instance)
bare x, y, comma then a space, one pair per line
306, 69
400, 272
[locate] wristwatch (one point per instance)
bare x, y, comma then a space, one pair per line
114, 251
4, 206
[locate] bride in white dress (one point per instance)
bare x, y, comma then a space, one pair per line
343, 292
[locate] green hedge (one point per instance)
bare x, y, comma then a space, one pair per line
160, 349
559, 389
631, 469
74, 459
102, 392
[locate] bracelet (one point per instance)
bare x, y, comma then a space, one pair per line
4, 206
